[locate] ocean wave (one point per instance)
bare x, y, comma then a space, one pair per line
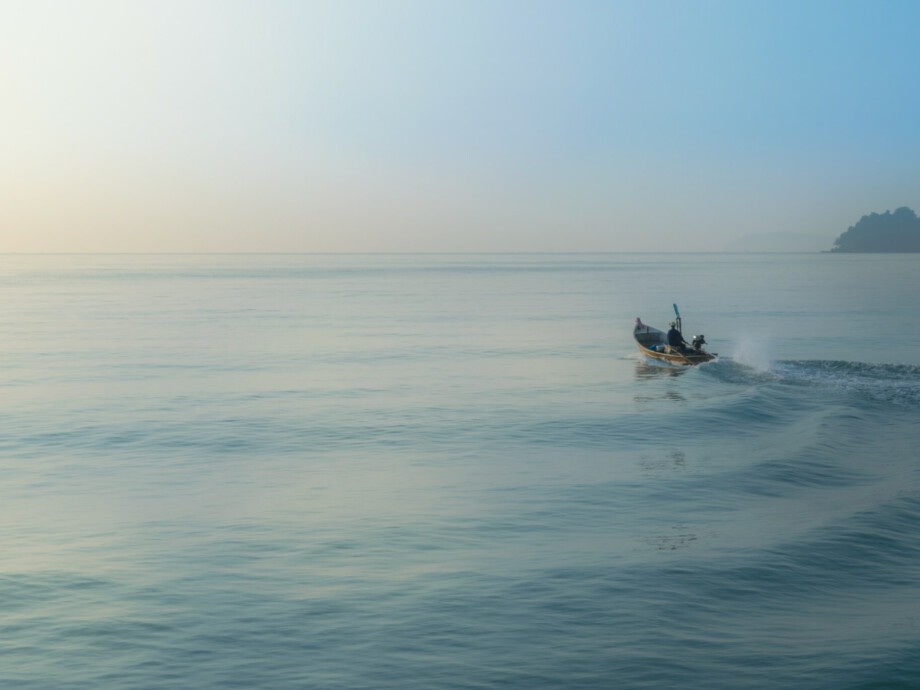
872, 549
858, 571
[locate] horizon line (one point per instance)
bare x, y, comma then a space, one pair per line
404, 253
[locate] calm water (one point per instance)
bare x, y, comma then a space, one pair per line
417, 472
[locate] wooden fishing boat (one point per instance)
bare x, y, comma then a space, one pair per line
653, 343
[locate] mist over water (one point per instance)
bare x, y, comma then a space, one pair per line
752, 351
445, 471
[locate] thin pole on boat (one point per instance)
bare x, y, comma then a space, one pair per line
680, 326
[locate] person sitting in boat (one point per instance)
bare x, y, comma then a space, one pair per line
675, 339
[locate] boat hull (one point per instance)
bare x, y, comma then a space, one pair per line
653, 343
679, 359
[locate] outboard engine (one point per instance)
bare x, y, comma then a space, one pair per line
698, 341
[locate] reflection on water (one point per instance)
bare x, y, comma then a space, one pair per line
653, 463
648, 373
680, 537
649, 369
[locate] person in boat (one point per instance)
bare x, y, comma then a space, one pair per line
676, 340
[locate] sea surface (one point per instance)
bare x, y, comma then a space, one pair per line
418, 472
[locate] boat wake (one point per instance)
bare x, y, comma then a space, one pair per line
891, 383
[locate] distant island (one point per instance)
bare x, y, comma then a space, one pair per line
882, 232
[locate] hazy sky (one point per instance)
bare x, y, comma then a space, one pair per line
468, 125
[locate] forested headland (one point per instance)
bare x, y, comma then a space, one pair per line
882, 232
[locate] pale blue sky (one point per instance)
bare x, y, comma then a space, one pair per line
451, 126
